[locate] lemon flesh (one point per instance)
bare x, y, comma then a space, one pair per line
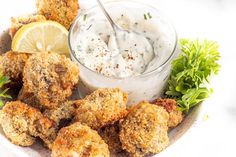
41, 36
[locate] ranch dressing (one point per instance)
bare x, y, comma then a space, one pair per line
120, 55
139, 67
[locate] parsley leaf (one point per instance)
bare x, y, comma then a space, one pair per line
3, 92
191, 72
85, 17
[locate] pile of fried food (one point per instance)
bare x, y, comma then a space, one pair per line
101, 124
97, 125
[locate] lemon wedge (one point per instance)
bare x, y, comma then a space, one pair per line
41, 36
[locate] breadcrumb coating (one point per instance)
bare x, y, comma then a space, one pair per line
110, 134
61, 115
144, 130
62, 11
65, 111
18, 22
50, 77
30, 99
22, 123
175, 116
79, 140
102, 107
12, 65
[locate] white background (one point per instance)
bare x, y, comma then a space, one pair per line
211, 19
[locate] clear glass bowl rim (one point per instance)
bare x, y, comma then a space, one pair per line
156, 70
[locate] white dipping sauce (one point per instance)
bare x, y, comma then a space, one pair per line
139, 66
120, 55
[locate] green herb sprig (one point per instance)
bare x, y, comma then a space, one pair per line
3, 92
147, 16
191, 72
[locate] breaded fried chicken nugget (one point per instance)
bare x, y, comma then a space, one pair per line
110, 134
62, 11
17, 23
22, 123
102, 107
50, 78
175, 116
144, 130
30, 99
12, 65
65, 111
62, 114
79, 140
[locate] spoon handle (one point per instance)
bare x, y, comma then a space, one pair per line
107, 15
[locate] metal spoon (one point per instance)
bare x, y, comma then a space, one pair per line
131, 36
114, 26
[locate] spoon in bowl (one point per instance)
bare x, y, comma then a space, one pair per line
123, 39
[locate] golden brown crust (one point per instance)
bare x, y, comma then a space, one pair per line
62, 11
50, 77
15, 131
12, 65
30, 99
144, 130
22, 123
110, 134
79, 140
65, 111
17, 23
168, 104
175, 116
102, 107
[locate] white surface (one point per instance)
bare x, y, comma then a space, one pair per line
212, 19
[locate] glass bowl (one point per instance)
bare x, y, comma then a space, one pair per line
147, 86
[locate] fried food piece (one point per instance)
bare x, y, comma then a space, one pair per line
22, 123
30, 99
175, 116
12, 65
50, 77
17, 23
102, 107
79, 140
110, 134
144, 130
61, 11
64, 112
61, 115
